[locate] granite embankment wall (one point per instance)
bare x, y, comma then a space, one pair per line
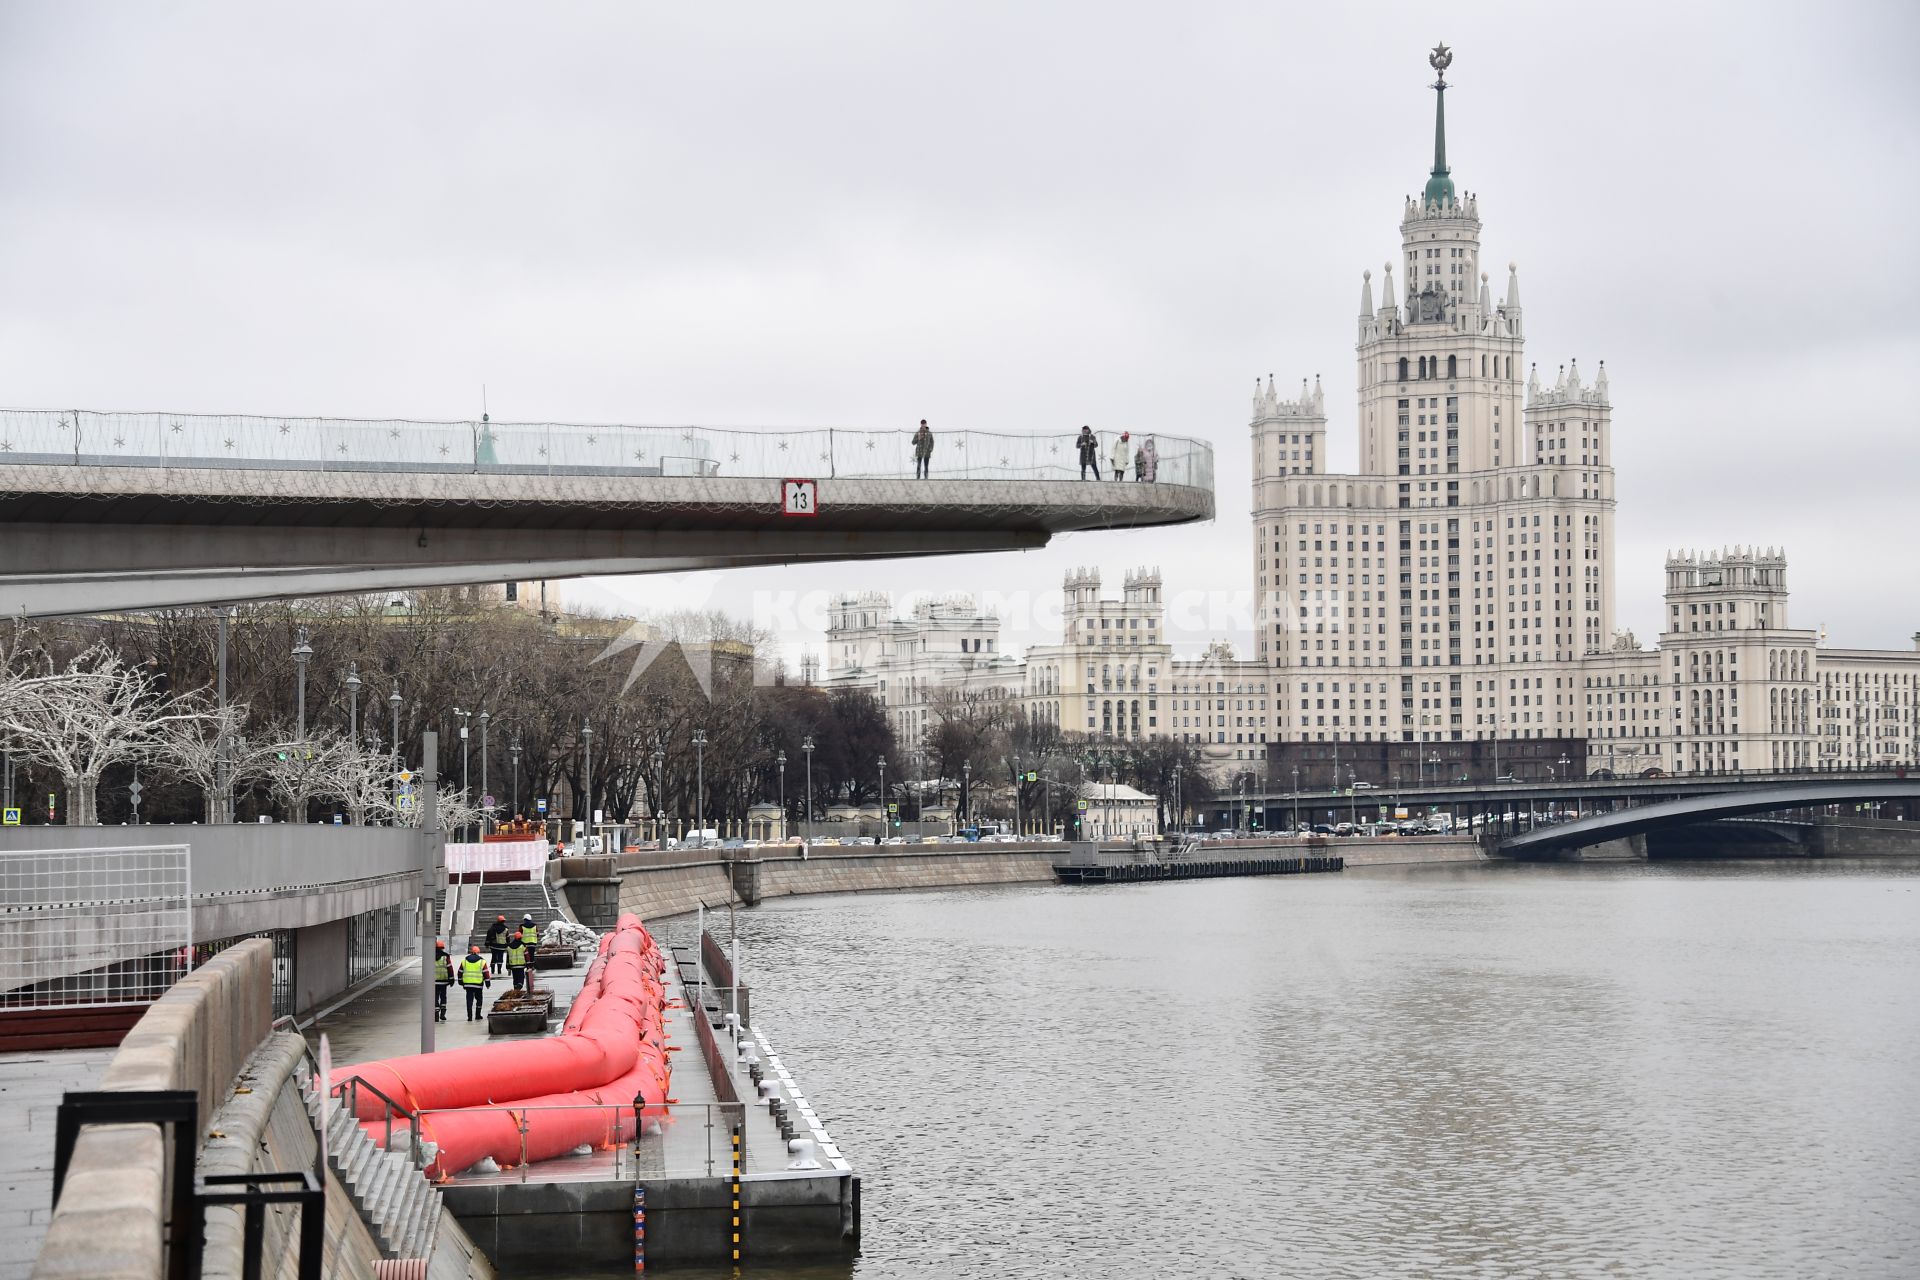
653, 885
108, 1224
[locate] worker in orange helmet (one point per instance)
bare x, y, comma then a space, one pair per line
497, 934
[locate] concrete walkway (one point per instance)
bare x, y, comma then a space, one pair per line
31, 1085
383, 1021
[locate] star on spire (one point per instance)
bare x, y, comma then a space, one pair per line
1440, 59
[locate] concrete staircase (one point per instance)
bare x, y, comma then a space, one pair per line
396, 1201
511, 899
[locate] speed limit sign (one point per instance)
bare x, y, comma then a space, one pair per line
799, 498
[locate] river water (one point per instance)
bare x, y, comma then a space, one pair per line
1690, 1070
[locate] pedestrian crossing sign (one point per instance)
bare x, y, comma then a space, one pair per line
9, 817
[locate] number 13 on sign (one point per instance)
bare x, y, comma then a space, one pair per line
799, 498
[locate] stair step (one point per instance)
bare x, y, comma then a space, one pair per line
416, 1217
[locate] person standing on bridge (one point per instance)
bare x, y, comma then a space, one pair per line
474, 979
922, 451
1121, 456
1146, 463
1089, 453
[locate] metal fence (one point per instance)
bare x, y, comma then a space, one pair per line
93, 926
81, 437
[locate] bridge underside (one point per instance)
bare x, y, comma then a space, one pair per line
91, 539
1692, 810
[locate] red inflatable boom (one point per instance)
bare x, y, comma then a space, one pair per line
610, 1050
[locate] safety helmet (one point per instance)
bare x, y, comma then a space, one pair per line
527, 919
473, 948
440, 942
499, 917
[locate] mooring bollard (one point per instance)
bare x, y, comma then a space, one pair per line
801, 1149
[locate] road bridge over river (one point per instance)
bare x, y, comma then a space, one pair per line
257, 507
1692, 810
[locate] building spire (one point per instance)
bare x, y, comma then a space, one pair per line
1440, 182
1366, 295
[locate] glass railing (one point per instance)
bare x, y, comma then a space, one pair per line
481, 1145
82, 437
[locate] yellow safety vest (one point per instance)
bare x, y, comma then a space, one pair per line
530, 935
473, 972
516, 955
442, 967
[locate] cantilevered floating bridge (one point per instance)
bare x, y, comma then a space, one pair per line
107, 511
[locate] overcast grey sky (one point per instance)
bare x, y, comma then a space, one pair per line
1021, 216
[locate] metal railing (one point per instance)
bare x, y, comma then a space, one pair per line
674, 1140
81, 437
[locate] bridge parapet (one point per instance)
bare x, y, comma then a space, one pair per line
78, 437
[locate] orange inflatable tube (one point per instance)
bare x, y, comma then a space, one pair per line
610, 1049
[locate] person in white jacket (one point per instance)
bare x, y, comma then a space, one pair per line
1122, 454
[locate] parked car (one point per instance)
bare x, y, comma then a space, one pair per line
1365, 786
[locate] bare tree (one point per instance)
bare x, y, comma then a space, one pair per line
97, 712
191, 749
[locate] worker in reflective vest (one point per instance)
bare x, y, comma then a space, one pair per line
528, 933
497, 941
473, 980
442, 978
517, 962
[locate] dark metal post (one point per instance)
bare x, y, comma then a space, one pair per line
432, 864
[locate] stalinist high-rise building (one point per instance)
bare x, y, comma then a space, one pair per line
1446, 610
1448, 588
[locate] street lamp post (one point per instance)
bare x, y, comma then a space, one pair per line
883, 796
781, 761
586, 738
466, 790
1564, 762
659, 786
1296, 799
486, 816
1179, 800
700, 783
806, 745
966, 790
513, 751
393, 702
353, 683
301, 652
1353, 799
223, 755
